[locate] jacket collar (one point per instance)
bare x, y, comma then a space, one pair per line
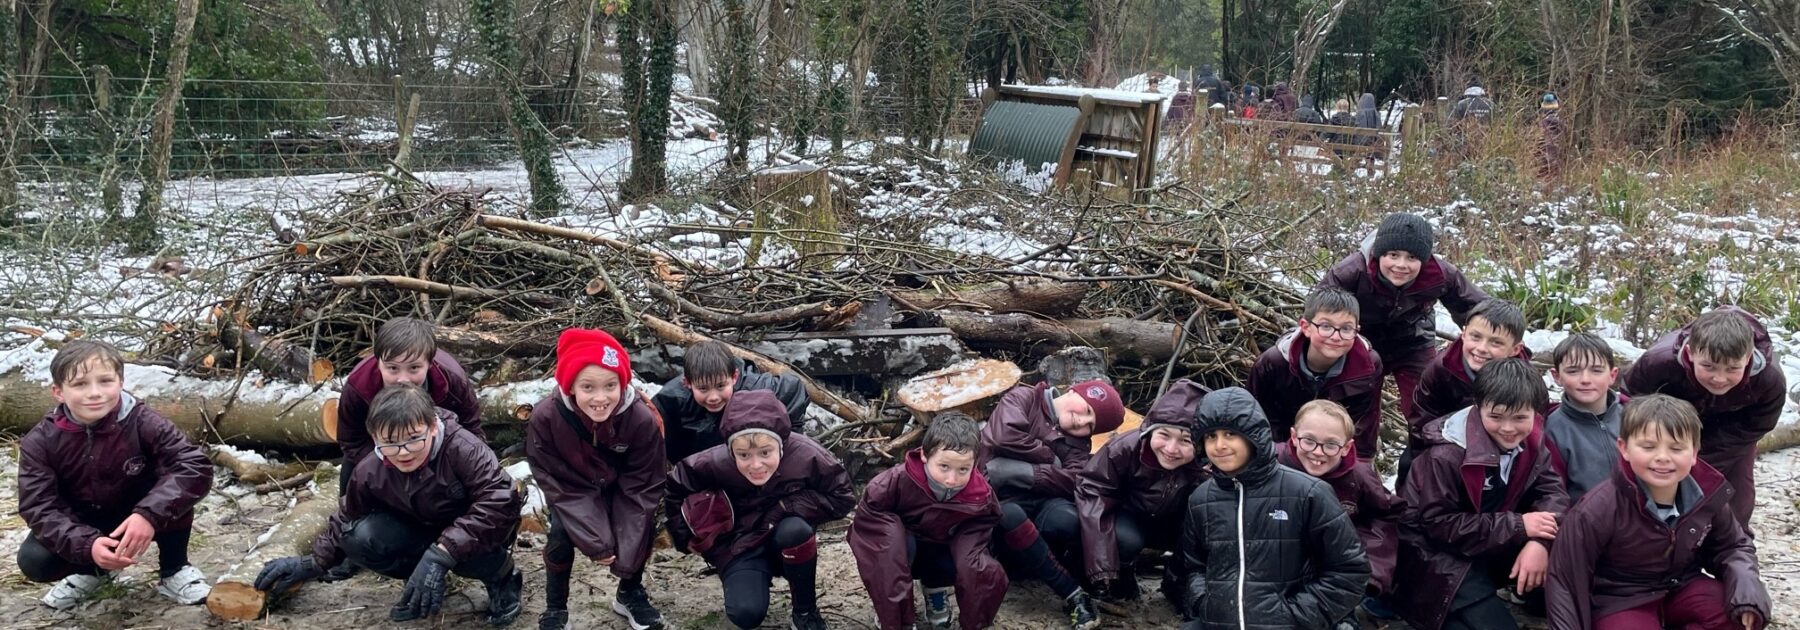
1574, 412
974, 492
1359, 363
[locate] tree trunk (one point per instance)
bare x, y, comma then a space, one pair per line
1031, 295
584, 40
234, 597
494, 20
1128, 340
276, 358
9, 119
144, 237
107, 137
737, 103
253, 421
697, 20
646, 40
797, 199
1315, 30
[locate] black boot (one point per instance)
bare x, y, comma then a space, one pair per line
1082, 614
554, 619
633, 603
504, 595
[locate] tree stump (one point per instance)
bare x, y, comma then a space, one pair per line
794, 202
235, 597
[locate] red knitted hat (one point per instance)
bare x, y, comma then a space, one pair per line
1109, 409
578, 348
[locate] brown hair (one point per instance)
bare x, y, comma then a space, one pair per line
71, 360
1583, 348
405, 337
954, 431
1501, 315
1661, 414
1511, 383
398, 408
708, 361
1722, 335
1329, 409
1331, 300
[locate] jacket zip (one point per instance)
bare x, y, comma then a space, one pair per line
1243, 565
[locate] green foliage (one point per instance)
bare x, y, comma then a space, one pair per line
1622, 197
646, 43
1554, 299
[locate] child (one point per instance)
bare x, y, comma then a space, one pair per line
431, 499
1398, 283
1721, 364
1482, 504
938, 510
691, 403
405, 352
1322, 360
1258, 518
1035, 445
1495, 330
1583, 431
1132, 493
751, 506
101, 478
1322, 447
1631, 554
596, 449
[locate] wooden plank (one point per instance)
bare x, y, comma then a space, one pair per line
1297, 126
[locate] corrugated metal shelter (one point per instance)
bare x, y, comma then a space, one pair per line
1102, 139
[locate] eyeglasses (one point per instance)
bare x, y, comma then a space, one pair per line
1328, 448
410, 446
1330, 331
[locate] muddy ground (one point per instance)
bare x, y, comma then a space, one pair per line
226, 527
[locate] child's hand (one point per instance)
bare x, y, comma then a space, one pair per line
134, 535
1540, 525
607, 561
106, 558
1531, 567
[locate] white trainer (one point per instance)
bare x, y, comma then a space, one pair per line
187, 587
71, 591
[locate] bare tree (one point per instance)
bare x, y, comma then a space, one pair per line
144, 237
1315, 29
1772, 24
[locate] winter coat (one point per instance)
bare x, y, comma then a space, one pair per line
1399, 320
73, 477
1023, 427
445, 380
690, 428
1125, 475
1474, 106
1730, 423
460, 492
1282, 103
1308, 112
1279, 384
1181, 107
808, 483
1613, 555
1366, 116
1443, 529
1444, 387
1268, 547
899, 503
1372, 508
603, 480
1216, 94
1584, 447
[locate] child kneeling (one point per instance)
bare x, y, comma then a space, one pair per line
1265, 546
100, 478
1631, 554
430, 499
751, 506
938, 510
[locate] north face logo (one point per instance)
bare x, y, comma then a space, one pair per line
1096, 393
1279, 515
610, 358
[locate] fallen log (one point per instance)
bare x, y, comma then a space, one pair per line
234, 597
830, 401
274, 357
251, 467
1784, 436
898, 352
1030, 295
252, 421
1128, 340
477, 343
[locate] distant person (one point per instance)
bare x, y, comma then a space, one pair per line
1216, 94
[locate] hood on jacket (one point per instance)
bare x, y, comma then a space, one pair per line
755, 410
1474, 90
1365, 112
975, 491
1233, 408
1176, 408
1309, 102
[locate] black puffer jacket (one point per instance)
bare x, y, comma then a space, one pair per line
689, 428
1306, 566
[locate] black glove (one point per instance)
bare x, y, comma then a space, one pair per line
1010, 474
281, 574
425, 589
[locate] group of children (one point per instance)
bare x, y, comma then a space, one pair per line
1605, 510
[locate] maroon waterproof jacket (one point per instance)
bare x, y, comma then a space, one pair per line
604, 480
460, 491
898, 503
1613, 555
1443, 527
1445, 387
133, 461
808, 483
1023, 427
1279, 386
1125, 475
1731, 423
1397, 320
1374, 511
445, 380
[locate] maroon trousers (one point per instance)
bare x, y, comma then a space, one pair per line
1699, 605
1407, 365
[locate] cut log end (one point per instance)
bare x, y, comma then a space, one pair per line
322, 370
236, 602
328, 418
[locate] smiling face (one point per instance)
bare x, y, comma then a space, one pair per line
1660, 460
1319, 443
1718, 375
757, 456
1333, 345
1228, 451
950, 469
713, 393
1482, 342
1507, 425
1586, 380
91, 392
1074, 416
596, 391
405, 369
1173, 447
407, 450
1399, 267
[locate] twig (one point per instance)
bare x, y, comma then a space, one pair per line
285, 484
